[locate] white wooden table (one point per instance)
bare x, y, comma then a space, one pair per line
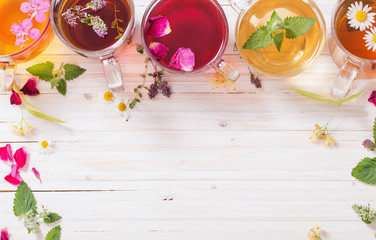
205, 164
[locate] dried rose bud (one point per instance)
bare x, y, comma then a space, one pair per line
15, 98
158, 27
158, 50
183, 59
4, 234
30, 88
372, 98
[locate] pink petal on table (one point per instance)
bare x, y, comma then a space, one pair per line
15, 98
14, 177
30, 88
25, 7
372, 98
44, 6
15, 28
158, 50
21, 156
4, 234
6, 153
40, 17
183, 59
158, 27
37, 175
27, 24
34, 33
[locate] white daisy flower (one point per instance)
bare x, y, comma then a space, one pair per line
122, 106
370, 38
46, 146
359, 16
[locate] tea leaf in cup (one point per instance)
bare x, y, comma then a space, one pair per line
275, 23
278, 39
261, 38
296, 26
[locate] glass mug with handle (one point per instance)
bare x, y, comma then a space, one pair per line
99, 29
25, 33
187, 36
296, 54
351, 43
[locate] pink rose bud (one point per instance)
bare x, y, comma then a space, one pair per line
4, 234
15, 98
372, 98
158, 50
30, 87
158, 27
183, 59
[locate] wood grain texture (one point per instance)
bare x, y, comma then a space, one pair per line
205, 164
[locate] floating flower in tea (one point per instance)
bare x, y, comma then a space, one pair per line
370, 38
36, 8
359, 16
158, 50
22, 32
158, 26
183, 59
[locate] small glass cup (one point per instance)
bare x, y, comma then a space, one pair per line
108, 56
217, 62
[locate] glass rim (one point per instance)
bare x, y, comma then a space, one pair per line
215, 60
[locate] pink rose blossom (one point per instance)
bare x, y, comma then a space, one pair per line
15, 98
22, 30
183, 59
6, 153
30, 88
372, 98
37, 175
36, 8
158, 50
158, 27
4, 234
14, 177
21, 156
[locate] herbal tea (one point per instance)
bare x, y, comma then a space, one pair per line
197, 27
21, 23
93, 25
295, 54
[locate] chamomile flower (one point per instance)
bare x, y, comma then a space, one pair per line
122, 107
360, 17
46, 146
314, 233
370, 38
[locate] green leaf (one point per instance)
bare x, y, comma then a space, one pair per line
133, 104
315, 96
120, 20
275, 23
72, 71
51, 217
54, 234
121, 29
278, 39
140, 49
352, 97
42, 70
118, 36
24, 200
62, 87
113, 24
261, 38
365, 171
296, 26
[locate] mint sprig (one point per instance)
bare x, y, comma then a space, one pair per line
54, 234
365, 171
276, 29
57, 78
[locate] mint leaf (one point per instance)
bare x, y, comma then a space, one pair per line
275, 23
42, 70
365, 171
278, 39
261, 38
54, 234
72, 71
24, 200
51, 217
62, 87
296, 26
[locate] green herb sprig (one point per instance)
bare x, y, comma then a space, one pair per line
115, 24
59, 77
277, 29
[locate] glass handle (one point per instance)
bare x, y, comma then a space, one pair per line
345, 80
7, 74
113, 74
239, 5
227, 70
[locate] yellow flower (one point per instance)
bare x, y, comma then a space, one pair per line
314, 233
108, 96
122, 107
46, 146
329, 142
313, 137
23, 128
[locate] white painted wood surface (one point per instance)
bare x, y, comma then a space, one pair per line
205, 164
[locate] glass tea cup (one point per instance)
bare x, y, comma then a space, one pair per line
198, 25
348, 49
22, 37
296, 54
99, 29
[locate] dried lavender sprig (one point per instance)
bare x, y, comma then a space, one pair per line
369, 144
96, 4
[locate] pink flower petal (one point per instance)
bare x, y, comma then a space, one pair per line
40, 17
30, 88
44, 6
18, 41
6, 153
372, 98
15, 28
14, 177
37, 175
4, 234
158, 27
25, 7
21, 156
34, 33
15, 98
183, 59
27, 24
158, 50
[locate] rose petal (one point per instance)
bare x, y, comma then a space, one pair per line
15, 98
30, 88
37, 175
34, 33
14, 177
158, 26
27, 24
25, 7
158, 50
183, 59
44, 6
4, 234
6, 153
21, 156
15, 28
372, 98
18, 41
40, 17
